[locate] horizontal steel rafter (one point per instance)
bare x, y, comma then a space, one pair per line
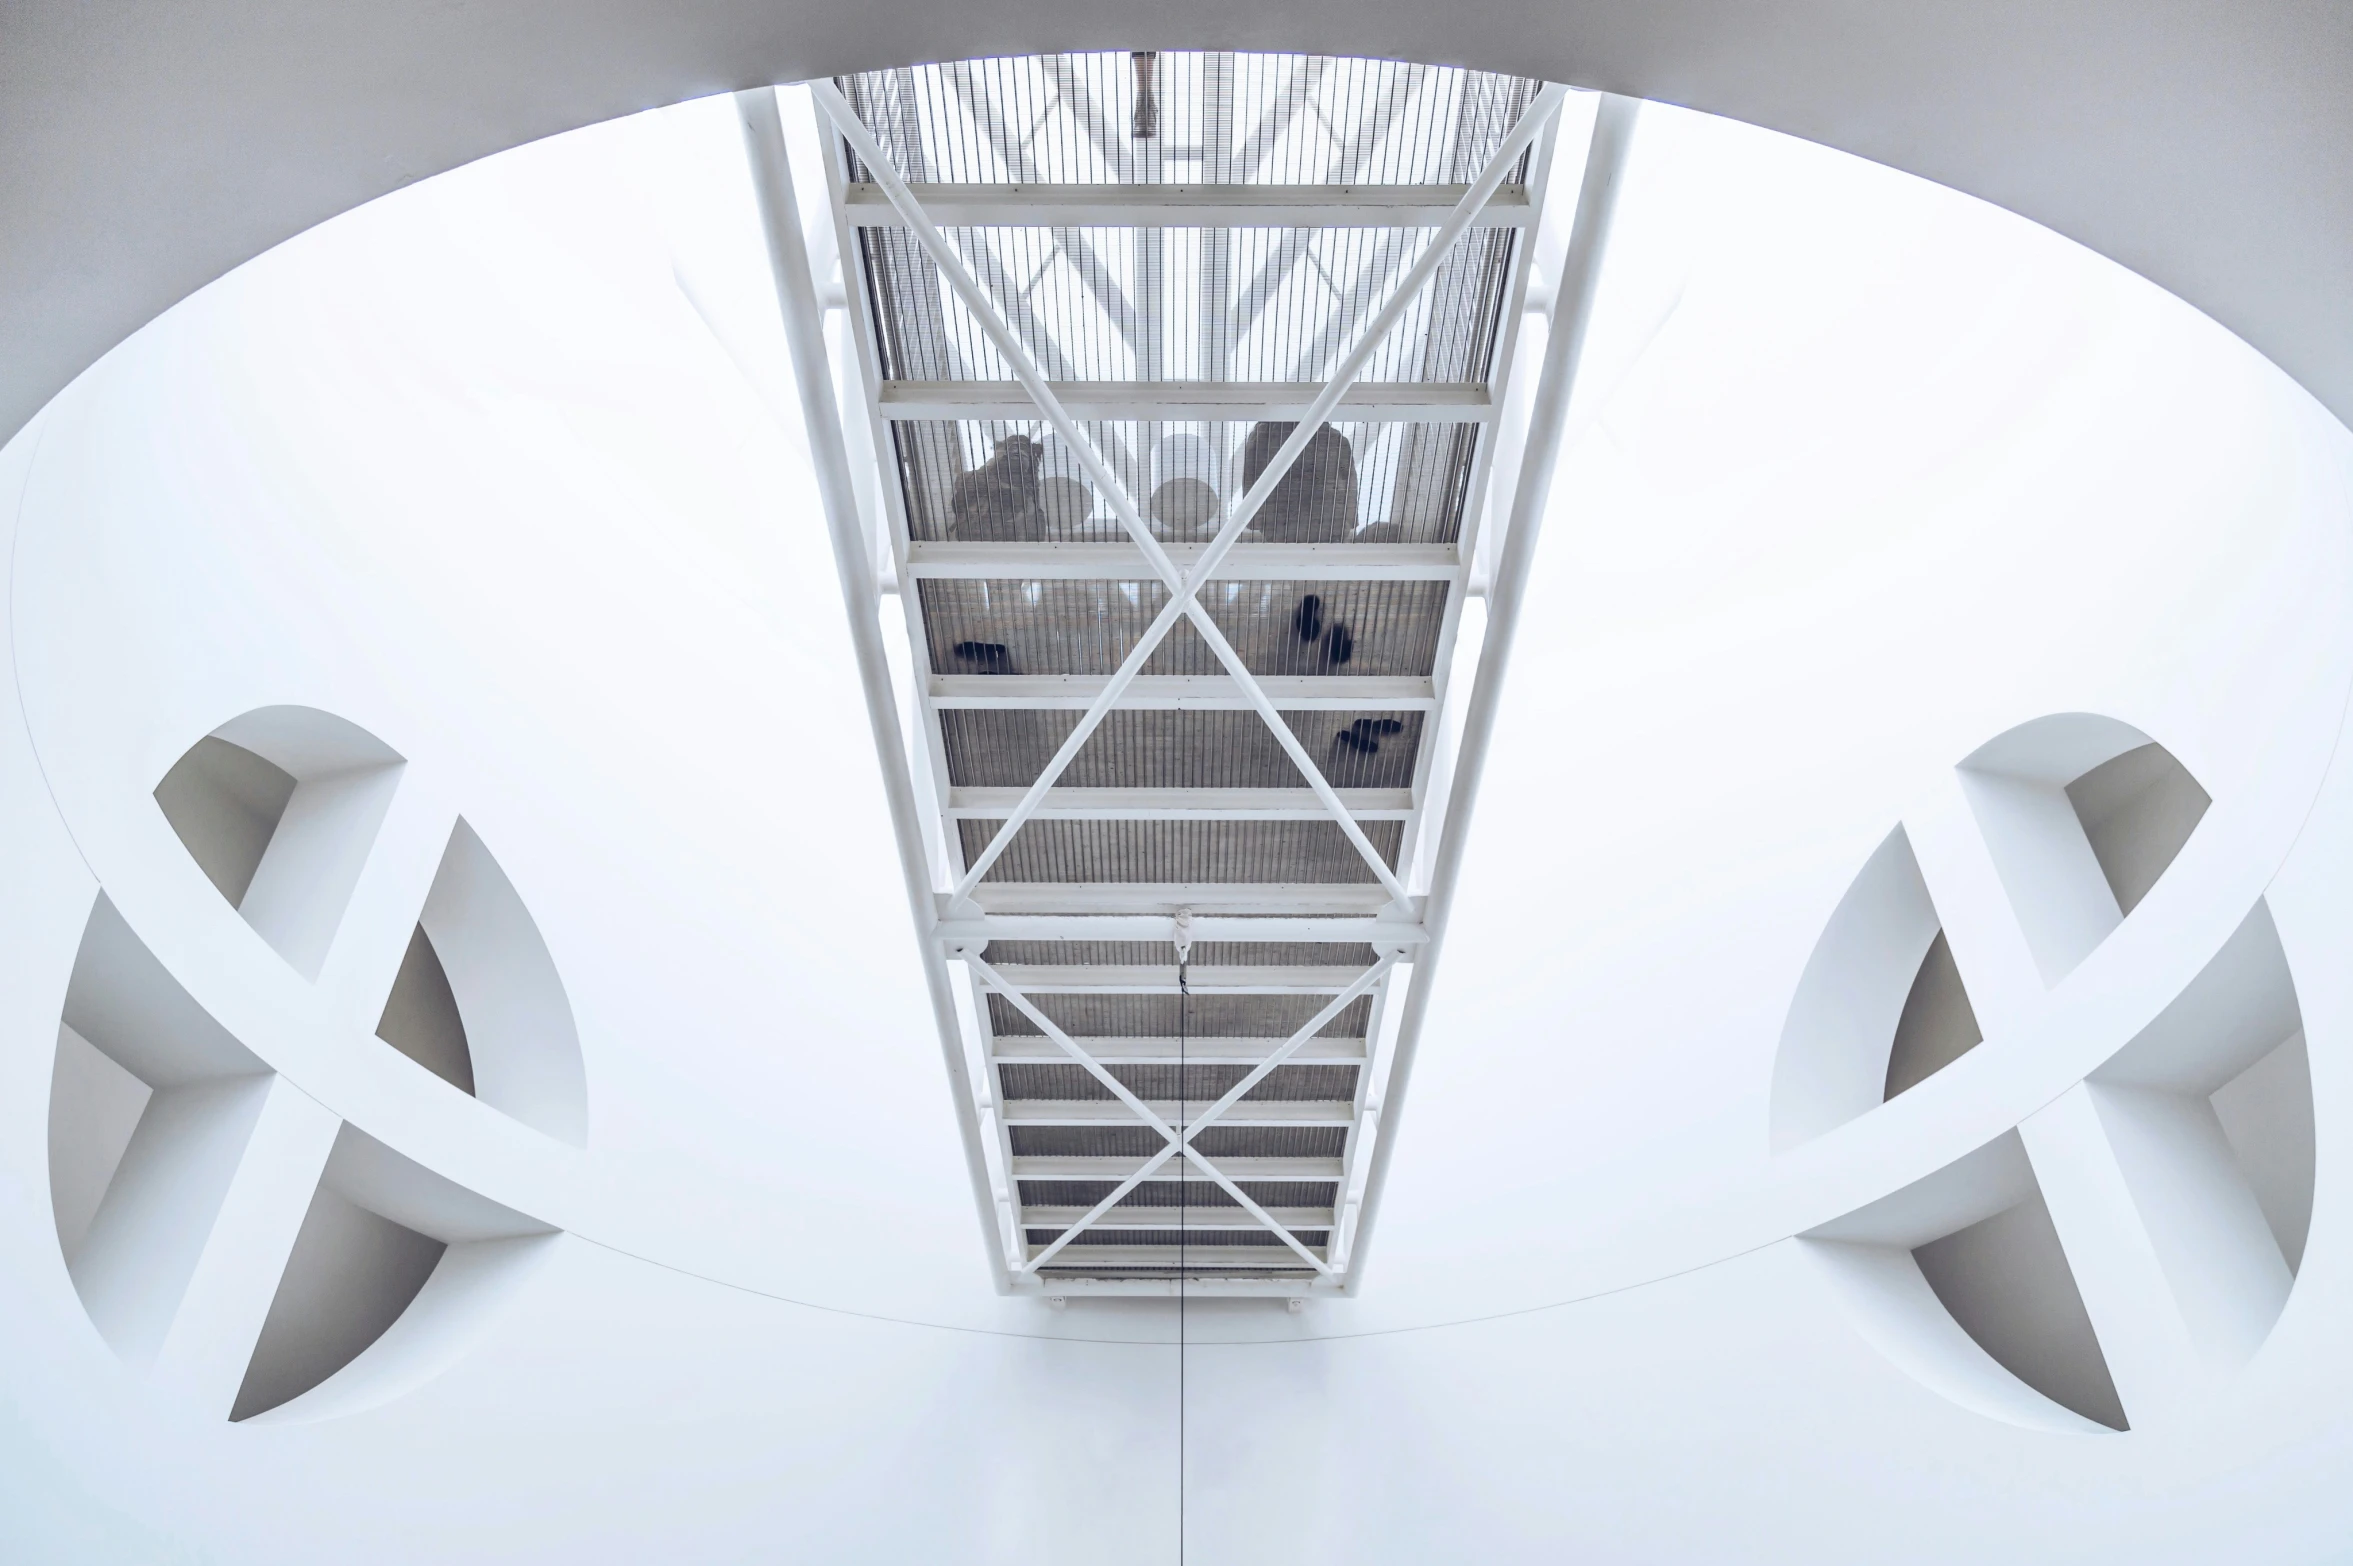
1188, 206
1257, 1112
1021, 1047
1379, 932
1179, 804
1114, 1287
1228, 402
1210, 897
1218, 1260
1127, 979
1188, 692
1213, 1220
1124, 562
1257, 1170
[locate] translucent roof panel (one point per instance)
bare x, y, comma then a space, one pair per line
1213, 118
1085, 853
1189, 304
1007, 627
1007, 748
1398, 482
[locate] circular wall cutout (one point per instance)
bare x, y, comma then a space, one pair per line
283, 810
252, 1252
1989, 1278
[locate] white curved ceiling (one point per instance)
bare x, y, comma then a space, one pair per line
144, 153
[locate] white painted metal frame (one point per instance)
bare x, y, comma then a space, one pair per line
970, 915
1124, 562
1183, 586
1605, 160
804, 324
1370, 402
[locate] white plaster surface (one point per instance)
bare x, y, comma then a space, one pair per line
467, 469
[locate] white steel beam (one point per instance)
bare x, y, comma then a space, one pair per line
1196, 1219
1187, 692
1026, 1048
1213, 402
1219, 1260
1381, 933
1179, 804
1096, 1112
1142, 979
804, 329
1188, 206
1268, 1285
1298, 898
1257, 1170
1122, 562
1605, 161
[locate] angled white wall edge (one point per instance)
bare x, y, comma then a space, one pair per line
317, 837
1579, 283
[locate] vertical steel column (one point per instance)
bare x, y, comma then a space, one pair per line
804, 330
1605, 161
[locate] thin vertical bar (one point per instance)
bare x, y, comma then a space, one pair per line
1605, 162
788, 259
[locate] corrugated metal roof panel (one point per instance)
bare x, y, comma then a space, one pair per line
1343, 628
1199, 1084
1206, 954
1215, 1142
1110, 852
1290, 307
1409, 482
1246, 1141
997, 749
1219, 1238
1158, 1016
1136, 1141
1176, 1193
1217, 117
1198, 1271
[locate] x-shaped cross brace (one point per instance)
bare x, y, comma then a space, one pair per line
1183, 587
1178, 1141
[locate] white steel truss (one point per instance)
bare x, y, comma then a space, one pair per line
1081, 1035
